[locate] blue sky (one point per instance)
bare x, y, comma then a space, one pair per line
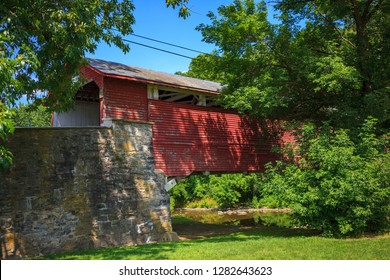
155, 20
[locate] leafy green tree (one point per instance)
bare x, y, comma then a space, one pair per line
205, 67
321, 60
43, 43
31, 116
226, 190
337, 185
6, 128
184, 11
42, 46
230, 190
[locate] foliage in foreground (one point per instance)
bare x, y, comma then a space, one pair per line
43, 44
319, 60
336, 182
31, 116
6, 128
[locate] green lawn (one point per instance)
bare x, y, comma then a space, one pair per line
269, 244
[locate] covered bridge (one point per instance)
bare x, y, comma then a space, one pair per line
190, 133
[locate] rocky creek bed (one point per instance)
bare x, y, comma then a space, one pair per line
196, 223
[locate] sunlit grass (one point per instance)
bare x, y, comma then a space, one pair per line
270, 244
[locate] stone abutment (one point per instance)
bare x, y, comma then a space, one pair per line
81, 188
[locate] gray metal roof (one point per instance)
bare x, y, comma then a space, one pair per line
114, 68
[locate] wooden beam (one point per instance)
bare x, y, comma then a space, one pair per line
155, 93
178, 97
162, 95
152, 91
201, 100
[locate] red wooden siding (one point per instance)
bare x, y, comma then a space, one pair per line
91, 74
189, 138
192, 138
125, 100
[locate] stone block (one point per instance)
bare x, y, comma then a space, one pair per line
75, 189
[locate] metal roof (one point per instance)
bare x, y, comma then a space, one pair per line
137, 73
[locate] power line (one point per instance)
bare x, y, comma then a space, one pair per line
162, 50
158, 49
162, 42
166, 43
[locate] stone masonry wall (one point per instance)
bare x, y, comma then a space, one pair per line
81, 188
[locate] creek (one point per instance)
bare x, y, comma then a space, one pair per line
239, 217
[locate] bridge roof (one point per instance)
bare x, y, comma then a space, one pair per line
119, 70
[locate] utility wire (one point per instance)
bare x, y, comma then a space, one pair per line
166, 43
158, 49
161, 42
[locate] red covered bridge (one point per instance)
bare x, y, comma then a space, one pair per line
190, 133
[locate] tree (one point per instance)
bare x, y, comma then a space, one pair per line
321, 60
324, 64
225, 190
205, 67
337, 184
6, 128
43, 43
31, 116
184, 11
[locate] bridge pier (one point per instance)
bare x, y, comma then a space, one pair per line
82, 188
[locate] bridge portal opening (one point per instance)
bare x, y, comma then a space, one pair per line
86, 110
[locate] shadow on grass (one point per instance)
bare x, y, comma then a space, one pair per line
141, 252
164, 251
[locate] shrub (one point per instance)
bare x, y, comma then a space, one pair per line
178, 196
6, 128
206, 202
336, 184
227, 190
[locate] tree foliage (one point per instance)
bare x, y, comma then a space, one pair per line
205, 67
6, 128
184, 11
43, 43
321, 60
335, 183
31, 115
227, 190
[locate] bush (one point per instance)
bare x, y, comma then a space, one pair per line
206, 202
178, 196
227, 190
6, 128
336, 184
31, 115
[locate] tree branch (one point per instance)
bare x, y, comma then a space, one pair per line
334, 26
374, 10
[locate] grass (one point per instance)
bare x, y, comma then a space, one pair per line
269, 244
